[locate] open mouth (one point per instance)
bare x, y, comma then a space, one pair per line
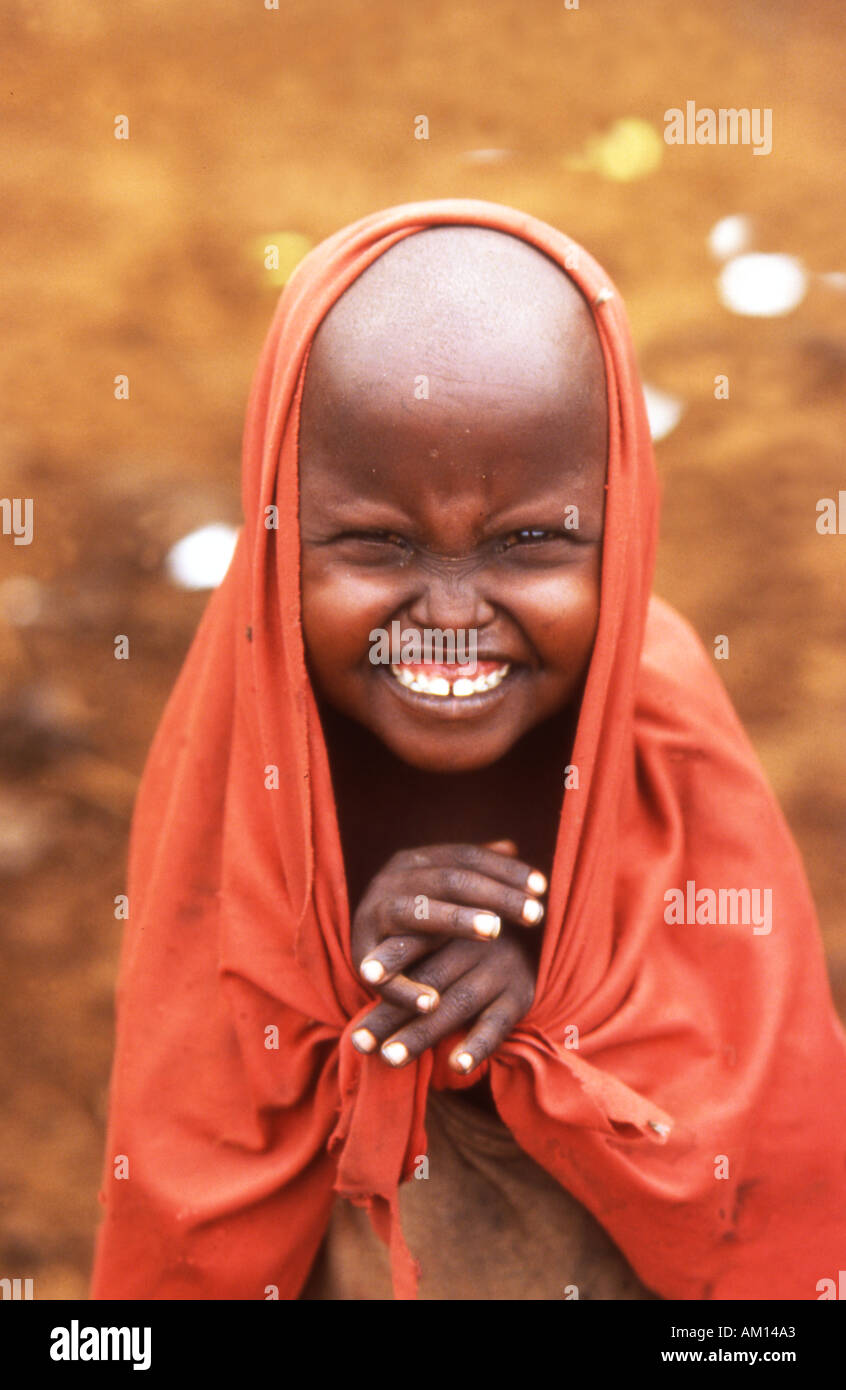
450, 682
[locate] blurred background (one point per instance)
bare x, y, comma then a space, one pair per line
252, 127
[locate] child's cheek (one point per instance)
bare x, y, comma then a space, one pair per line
341, 607
558, 611
574, 632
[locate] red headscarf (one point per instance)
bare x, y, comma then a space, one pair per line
702, 1117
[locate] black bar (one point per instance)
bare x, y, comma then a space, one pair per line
255, 1340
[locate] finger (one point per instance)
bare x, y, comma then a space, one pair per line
442, 969
516, 873
409, 995
386, 965
377, 1026
462, 1001
421, 914
503, 847
421, 993
491, 1029
392, 957
461, 885
367, 932
447, 965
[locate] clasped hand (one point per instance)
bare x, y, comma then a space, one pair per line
462, 912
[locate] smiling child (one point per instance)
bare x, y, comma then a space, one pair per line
408, 511
401, 1011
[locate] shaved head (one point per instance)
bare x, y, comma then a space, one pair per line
458, 302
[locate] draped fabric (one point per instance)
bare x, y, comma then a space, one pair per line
702, 1116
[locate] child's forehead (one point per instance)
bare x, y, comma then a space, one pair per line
456, 367
458, 313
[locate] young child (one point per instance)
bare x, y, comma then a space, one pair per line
457, 981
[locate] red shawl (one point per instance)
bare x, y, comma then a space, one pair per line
702, 1118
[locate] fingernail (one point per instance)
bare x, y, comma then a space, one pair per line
373, 971
465, 1060
532, 911
395, 1053
363, 1040
486, 924
426, 1002
536, 883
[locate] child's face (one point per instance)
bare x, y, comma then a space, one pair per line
451, 512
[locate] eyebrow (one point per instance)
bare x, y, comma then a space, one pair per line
355, 512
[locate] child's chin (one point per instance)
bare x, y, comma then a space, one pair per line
463, 754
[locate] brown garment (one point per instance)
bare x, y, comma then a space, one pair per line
487, 1223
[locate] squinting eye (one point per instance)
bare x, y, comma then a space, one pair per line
529, 535
377, 537
375, 547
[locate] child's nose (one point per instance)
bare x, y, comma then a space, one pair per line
451, 599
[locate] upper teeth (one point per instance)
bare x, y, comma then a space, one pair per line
461, 687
